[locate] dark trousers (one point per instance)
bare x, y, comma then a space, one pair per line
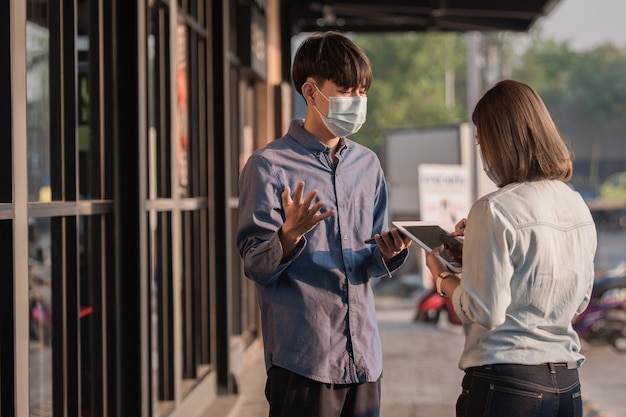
292, 395
507, 390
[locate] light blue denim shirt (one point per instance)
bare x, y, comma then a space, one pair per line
317, 307
527, 271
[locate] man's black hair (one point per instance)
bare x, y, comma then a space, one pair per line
331, 56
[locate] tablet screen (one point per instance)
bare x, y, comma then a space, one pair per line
430, 235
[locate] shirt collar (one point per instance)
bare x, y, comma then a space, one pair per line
310, 142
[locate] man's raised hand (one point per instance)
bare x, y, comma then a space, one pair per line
301, 216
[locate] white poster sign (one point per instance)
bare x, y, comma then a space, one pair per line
445, 198
444, 193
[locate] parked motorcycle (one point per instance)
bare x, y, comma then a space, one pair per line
430, 305
604, 320
602, 323
40, 322
39, 295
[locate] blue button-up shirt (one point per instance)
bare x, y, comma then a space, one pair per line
317, 306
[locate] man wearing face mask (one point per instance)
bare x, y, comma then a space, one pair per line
306, 250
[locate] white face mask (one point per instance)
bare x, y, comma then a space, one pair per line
490, 173
346, 115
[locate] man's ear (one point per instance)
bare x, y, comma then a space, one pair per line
308, 92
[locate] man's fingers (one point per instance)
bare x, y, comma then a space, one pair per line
306, 205
297, 196
324, 215
316, 207
321, 216
309, 198
298, 192
286, 196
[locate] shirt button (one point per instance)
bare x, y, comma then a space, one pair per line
345, 237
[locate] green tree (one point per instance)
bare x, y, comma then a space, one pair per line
547, 66
591, 83
409, 87
599, 84
585, 90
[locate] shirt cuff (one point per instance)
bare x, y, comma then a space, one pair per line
296, 251
396, 262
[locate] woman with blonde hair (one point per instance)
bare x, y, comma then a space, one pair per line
528, 269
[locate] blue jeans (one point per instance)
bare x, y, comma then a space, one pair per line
508, 390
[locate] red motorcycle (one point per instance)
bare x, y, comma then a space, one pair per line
430, 305
602, 323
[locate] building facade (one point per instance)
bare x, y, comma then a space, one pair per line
124, 126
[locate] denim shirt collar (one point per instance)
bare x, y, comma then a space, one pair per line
310, 142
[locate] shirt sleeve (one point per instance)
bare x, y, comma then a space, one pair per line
585, 302
484, 293
396, 262
260, 217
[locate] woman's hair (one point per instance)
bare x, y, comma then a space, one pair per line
331, 56
517, 136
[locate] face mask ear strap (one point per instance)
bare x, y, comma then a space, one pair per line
320, 91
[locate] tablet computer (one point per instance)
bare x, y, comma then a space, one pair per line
429, 235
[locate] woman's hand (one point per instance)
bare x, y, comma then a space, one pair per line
459, 228
434, 263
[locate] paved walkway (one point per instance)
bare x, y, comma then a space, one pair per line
421, 378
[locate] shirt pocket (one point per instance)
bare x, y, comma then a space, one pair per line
362, 211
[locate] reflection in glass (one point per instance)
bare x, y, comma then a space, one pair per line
40, 329
87, 146
160, 186
38, 148
182, 114
161, 300
38, 103
90, 253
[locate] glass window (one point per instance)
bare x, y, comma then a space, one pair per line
39, 259
177, 182
38, 100
159, 149
89, 142
91, 346
161, 303
195, 294
6, 115
65, 254
182, 111
40, 307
